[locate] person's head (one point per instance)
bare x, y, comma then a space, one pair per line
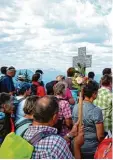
107, 71
39, 72
21, 77
106, 80
25, 89
70, 72
35, 77
30, 105
49, 87
6, 104
11, 71
90, 90
46, 111
60, 78
91, 75
59, 89
3, 70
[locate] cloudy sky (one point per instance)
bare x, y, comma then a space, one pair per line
47, 33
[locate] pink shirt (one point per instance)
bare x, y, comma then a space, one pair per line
64, 112
68, 94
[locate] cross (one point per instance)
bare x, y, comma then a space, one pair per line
82, 58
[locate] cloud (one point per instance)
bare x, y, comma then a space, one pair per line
48, 33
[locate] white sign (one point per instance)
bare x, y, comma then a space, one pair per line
82, 58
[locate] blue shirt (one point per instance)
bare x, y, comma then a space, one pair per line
18, 84
7, 84
22, 128
19, 112
92, 115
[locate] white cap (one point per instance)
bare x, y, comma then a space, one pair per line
21, 77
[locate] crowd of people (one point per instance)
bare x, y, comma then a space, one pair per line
51, 109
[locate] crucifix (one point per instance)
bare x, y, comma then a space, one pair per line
82, 59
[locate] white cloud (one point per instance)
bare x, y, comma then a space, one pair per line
48, 33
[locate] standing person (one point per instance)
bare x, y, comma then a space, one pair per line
49, 87
20, 81
36, 88
23, 93
64, 123
107, 71
23, 123
3, 72
92, 120
29, 108
6, 123
7, 85
52, 146
91, 76
104, 101
68, 95
70, 73
40, 79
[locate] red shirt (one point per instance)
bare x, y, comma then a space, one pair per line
40, 89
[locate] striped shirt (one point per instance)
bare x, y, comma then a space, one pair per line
104, 101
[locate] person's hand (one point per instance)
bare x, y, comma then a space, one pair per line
74, 130
79, 139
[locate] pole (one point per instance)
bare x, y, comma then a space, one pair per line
80, 108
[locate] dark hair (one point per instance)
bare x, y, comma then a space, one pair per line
106, 80
23, 88
106, 71
49, 87
70, 72
91, 75
45, 109
4, 97
36, 77
30, 104
39, 71
11, 68
3, 69
90, 88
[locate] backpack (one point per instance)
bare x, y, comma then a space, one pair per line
104, 150
16, 104
22, 123
34, 89
17, 147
